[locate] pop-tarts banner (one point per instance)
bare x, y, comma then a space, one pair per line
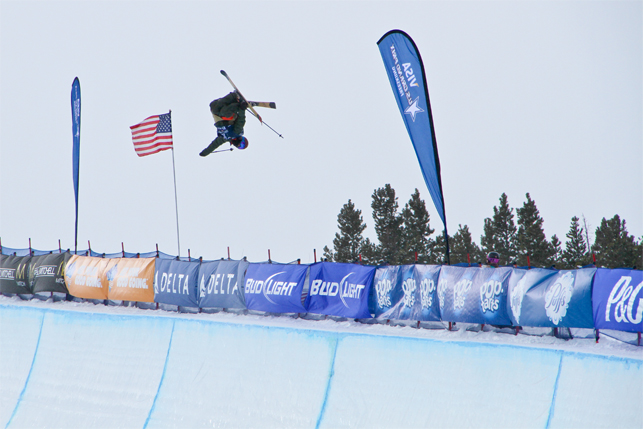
407, 292
175, 282
547, 298
474, 295
338, 289
275, 288
617, 299
221, 284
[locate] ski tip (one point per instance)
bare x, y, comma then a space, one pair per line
224, 73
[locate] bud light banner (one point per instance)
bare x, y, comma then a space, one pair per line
221, 284
407, 292
275, 288
338, 289
47, 272
617, 299
175, 282
474, 295
14, 274
406, 74
548, 298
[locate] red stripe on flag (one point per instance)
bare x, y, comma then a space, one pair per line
146, 140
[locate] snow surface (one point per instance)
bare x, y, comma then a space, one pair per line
69, 364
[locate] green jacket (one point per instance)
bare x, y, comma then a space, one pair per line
228, 107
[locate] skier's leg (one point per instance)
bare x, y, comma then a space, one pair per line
213, 146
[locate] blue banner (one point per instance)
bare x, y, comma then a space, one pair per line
275, 288
406, 74
548, 298
474, 295
407, 292
221, 284
175, 282
339, 289
75, 127
617, 299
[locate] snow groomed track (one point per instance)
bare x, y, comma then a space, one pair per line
63, 368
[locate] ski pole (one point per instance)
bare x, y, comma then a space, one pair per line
223, 150
264, 123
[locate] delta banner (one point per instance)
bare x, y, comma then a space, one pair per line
85, 276
338, 289
405, 71
220, 284
14, 274
47, 273
546, 298
407, 292
617, 298
275, 288
176, 282
474, 295
130, 279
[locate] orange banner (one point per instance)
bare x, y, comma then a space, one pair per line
85, 277
131, 279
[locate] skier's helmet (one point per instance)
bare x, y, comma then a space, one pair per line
240, 142
493, 258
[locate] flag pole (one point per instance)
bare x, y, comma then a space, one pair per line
176, 201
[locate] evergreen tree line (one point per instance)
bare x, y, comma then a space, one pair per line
405, 236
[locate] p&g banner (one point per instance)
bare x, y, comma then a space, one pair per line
275, 288
338, 289
617, 300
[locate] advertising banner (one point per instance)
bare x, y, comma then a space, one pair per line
85, 276
340, 289
221, 284
47, 272
474, 295
14, 274
131, 279
617, 298
407, 292
275, 288
547, 298
175, 282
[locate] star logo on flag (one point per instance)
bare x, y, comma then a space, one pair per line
413, 109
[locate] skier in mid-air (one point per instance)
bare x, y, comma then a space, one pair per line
229, 115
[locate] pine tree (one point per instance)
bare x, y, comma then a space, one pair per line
613, 246
556, 258
388, 224
575, 253
462, 245
416, 231
500, 232
349, 241
437, 250
531, 237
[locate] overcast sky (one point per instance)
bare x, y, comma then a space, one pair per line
538, 97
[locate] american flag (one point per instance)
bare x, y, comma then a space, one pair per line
152, 135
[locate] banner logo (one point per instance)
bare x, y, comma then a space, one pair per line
269, 287
343, 288
516, 298
489, 296
383, 289
427, 287
460, 293
624, 296
558, 296
215, 287
442, 291
8, 274
409, 292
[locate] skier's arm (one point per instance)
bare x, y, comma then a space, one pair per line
240, 122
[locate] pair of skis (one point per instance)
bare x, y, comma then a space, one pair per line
253, 104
